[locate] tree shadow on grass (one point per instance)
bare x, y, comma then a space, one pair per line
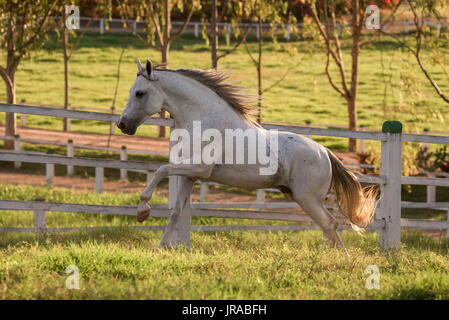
101, 235
420, 241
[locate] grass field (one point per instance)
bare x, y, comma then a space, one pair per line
391, 86
124, 263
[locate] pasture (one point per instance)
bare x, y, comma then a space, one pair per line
125, 264
396, 91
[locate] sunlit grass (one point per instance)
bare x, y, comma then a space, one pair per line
123, 263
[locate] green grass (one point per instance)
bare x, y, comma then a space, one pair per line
124, 263
304, 95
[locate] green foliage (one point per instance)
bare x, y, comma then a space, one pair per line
432, 161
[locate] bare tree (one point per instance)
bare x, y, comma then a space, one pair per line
27, 25
329, 31
158, 21
422, 9
274, 12
68, 50
236, 15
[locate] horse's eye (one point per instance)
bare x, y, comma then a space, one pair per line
139, 94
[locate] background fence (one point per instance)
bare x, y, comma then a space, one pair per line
387, 222
102, 25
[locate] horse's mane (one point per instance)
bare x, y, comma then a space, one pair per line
216, 81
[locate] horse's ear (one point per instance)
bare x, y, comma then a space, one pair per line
149, 67
139, 66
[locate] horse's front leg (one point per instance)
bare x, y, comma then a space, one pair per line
184, 188
186, 170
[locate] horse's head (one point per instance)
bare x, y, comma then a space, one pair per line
145, 99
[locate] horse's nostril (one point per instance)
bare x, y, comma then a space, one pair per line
120, 125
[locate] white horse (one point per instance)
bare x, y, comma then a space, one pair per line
306, 171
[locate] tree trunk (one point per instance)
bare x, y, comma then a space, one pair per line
11, 67
214, 34
11, 123
352, 100
65, 43
259, 73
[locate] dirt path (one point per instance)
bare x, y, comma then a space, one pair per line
94, 139
117, 141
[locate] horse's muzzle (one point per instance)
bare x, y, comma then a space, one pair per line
126, 128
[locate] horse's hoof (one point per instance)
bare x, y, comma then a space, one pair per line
143, 214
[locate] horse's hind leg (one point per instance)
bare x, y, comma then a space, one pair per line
313, 205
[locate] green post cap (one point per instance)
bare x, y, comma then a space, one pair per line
426, 130
392, 127
16, 136
123, 147
70, 141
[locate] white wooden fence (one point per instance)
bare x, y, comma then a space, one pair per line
387, 222
196, 26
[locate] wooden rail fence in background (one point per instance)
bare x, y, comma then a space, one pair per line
387, 222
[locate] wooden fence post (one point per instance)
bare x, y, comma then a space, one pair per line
134, 27
431, 190
195, 28
101, 26
99, 179
204, 190
49, 174
287, 35
391, 169
23, 120
183, 225
70, 154
338, 29
260, 196
17, 164
39, 221
123, 157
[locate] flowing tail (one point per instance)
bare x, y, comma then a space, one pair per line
355, 203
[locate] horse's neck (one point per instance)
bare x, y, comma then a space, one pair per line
189, 100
